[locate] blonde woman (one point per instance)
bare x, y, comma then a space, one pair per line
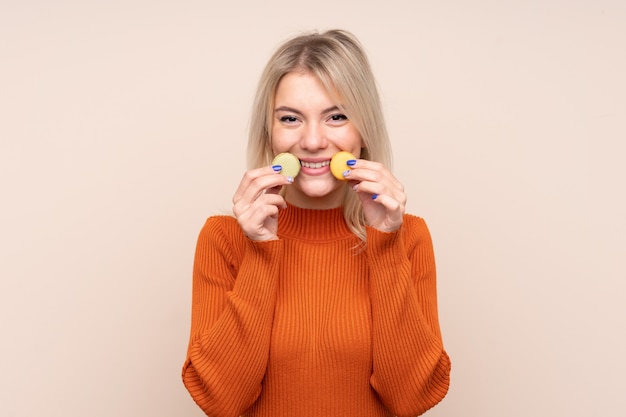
318, 297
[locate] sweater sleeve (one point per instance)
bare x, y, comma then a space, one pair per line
233, 300
411, 370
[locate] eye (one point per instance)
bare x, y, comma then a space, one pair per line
338, 119
288, 119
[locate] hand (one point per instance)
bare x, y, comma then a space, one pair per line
381, 194
256, 203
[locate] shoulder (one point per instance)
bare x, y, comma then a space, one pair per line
414, 223
221, 231
221, 224
415, 230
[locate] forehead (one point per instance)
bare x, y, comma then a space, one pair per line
304, 88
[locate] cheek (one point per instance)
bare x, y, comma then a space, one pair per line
283, 140
352, 141
276, 140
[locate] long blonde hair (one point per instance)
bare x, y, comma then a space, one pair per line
337, 58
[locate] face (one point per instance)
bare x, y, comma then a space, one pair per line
308, 123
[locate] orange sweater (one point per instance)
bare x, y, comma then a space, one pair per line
309, 326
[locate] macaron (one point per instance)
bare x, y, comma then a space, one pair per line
289, 162
338, 164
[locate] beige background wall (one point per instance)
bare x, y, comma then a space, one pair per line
122, 127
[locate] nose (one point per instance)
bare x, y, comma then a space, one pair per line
313, 138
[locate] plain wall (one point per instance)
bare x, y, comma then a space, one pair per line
123, 126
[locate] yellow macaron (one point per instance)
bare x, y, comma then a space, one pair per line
338, 164
289, 162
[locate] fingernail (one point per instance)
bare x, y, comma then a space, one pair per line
354, 187
351, 162
289, 179
374, 196
277, 168
346, 172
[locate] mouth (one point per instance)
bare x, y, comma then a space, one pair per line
315, 165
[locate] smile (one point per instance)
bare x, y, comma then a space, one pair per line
314, 164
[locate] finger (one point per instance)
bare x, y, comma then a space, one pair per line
274, 190
254, 219
255, 182
268, 199
365, 170
248, 179
258, 221
380, 188
383, 213
391, 204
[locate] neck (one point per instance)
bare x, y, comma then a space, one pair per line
311, 224
329, 201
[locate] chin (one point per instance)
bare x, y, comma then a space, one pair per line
319, 190
327, 191
322, 192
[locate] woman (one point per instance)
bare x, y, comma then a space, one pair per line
318, 298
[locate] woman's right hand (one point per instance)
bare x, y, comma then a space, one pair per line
257, 201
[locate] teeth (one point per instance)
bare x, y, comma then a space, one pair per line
314, 164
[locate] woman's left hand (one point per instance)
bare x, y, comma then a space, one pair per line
381, 194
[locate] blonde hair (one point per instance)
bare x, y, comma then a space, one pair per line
337, 58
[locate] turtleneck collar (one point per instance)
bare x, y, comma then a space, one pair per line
311, 224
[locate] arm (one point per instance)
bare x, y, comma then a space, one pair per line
411, 369
234, 294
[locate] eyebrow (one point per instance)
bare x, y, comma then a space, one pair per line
296, 111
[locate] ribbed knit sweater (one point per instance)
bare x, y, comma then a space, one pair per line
311, 324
